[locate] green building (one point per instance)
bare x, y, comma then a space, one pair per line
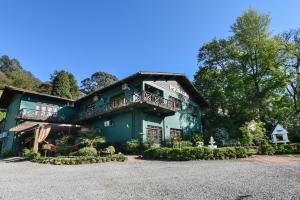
143, 105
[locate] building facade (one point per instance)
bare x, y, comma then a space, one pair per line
142, 106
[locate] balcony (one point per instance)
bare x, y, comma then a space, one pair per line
143, 99
40, 115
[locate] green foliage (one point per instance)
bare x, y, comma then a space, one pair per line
2, 115
90, 138
221, 136
6, 153
97, 81
76, 160
287, 148
195, 153
250, 75
30, 154
255, 135
197, 139
181, 144
87, 151
267, 149
134, 147
111, 150
12, 73
150, 142
61, 85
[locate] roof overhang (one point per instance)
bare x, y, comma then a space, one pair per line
10, 92
27, 126
155, 76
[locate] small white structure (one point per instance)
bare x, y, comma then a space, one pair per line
211, 143
280, 135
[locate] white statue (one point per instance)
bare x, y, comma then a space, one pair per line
211, 143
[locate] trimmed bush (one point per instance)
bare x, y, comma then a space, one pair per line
76, 160
87, 151
287, 148
195, 153
267, 149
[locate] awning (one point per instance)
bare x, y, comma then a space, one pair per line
27, 126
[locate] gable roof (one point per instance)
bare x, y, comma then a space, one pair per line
181, 78
9, 92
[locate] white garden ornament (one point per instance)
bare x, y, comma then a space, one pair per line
280, 135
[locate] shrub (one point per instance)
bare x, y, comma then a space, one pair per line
30, 154
78, 160
181, 144
134, 147
6, 153
267, 149
287, 148
196, 138
87, 151
195, 153
251, 150
111, 150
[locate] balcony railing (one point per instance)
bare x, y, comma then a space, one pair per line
142, 97
41, 115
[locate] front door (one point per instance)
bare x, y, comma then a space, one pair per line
154, 133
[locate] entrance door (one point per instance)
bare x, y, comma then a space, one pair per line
155, 133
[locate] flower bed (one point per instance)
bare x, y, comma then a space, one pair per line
198, 153
75, 160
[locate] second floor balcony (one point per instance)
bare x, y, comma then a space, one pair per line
142, 99
41, 115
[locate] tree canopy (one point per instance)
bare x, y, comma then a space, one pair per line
97, 81
246, 76
64, 84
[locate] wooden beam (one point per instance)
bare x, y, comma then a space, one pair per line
36, 142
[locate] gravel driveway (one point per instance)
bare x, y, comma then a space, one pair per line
237, 179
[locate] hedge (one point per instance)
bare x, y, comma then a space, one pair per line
197, 153
293, 148
75, 160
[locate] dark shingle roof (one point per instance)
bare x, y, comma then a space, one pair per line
10, 91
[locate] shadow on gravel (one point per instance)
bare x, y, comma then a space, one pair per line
243, 197
13, 159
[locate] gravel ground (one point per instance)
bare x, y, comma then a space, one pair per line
238, 179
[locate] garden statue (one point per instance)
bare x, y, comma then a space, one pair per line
211, 143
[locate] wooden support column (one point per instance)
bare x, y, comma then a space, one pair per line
36, 142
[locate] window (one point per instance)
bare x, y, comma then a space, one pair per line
118, 100
107, 123
176, 133
154, 133
177, 102
91, 107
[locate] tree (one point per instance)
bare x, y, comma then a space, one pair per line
12, 73
64, 85
253, 132
243, 76
61, 85
97, 81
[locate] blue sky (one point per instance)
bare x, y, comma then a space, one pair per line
123, 36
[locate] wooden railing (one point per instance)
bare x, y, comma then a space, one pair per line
142, 97
40, 115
